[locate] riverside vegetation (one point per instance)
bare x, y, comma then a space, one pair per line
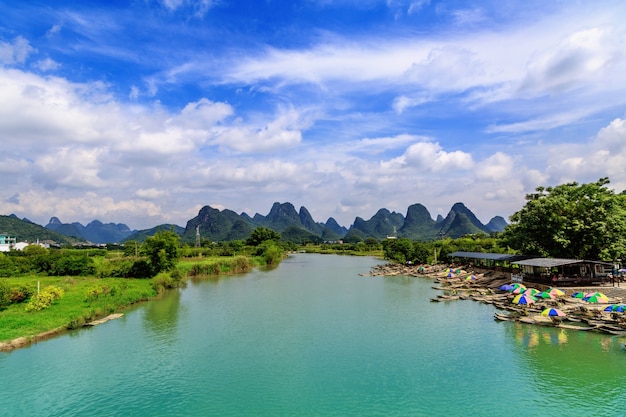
44, 291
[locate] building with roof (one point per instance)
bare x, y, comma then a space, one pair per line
557, 271
7, 242
549, 271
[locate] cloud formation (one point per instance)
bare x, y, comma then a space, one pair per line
101, 119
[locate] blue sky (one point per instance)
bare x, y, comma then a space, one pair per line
144, 111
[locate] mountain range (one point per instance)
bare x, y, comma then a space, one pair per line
94, 232
299, 226
294, 225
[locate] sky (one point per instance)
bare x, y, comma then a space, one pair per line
144, 111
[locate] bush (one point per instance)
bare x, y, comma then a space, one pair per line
162, 281
139, 269
4, 294
20, 294
100, 291
73, 265
44, 299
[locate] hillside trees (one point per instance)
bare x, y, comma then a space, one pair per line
583, 221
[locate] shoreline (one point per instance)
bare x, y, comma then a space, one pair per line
25, 341
485, 287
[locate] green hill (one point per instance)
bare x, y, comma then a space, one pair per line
30, 232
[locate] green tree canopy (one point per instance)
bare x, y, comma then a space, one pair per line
586, 221
262, 234
162, 250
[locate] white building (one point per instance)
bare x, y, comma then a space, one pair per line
6, 242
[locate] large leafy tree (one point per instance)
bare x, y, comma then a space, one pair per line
162, 250
586, 221
262, 234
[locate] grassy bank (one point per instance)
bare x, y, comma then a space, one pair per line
83, 299
88, 298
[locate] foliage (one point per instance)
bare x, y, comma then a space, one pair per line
167, 280
271, 253
586, 221
398, 250
162, 250
404, 250
4, 294
73, 265
262, 234
299, 235
44, 299
73, 310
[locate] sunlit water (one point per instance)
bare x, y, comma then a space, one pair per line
313, 338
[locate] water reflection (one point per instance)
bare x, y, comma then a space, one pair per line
580, 371
161, 316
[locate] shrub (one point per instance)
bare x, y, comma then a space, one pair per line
162, 281
100, 291
4, 294
20, 294
44, 299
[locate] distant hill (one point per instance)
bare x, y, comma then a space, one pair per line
141, 235
296, 226
497, 224
299, 226
25, 230
95, 232
419, 224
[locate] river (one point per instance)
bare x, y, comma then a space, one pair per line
313, 338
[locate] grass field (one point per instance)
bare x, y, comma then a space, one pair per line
84, 299
89, 298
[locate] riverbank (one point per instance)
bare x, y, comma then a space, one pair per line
89, 299
457, 283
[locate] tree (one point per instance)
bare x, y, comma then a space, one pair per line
585, 221
162, 250
399, 250
262, 234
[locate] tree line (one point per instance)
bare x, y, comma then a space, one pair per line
574, 221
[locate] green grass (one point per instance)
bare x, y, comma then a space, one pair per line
75, 308
88, 298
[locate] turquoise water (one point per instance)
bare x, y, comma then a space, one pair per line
313, 338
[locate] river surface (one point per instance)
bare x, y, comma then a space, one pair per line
313, 338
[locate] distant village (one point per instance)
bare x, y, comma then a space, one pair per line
8, 243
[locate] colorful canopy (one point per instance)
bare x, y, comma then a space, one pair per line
545, 295
518, 288
615, 308
579, 294
524, 299
597, 297
554, 312
531, 291
555, 292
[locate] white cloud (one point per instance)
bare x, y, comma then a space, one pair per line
401, 103
466, 17
495, 168
150, 193
46, 65
15, 52
583, 55
282, 132
430, 156
53, 31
